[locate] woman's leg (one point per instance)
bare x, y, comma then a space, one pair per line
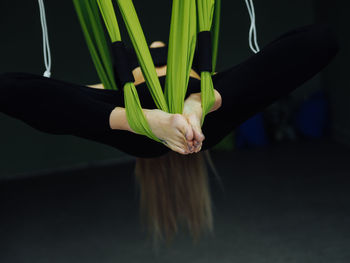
58, 107
278, 69
52, 106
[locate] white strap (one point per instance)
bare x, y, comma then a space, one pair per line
46, 46
252, 30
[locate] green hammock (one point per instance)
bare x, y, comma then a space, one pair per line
189, 17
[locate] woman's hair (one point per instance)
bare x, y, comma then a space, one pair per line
174, 189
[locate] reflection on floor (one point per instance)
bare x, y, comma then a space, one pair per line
285, 203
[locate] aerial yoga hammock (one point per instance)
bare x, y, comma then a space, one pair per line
59, 107
182, 43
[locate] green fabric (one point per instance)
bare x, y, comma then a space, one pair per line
205, 18
215, 30
87, 11
134, 113
108, 14
144, 57
181, 47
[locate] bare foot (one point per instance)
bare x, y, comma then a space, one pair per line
193, 113
173, 129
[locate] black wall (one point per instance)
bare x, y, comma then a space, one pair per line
336, 77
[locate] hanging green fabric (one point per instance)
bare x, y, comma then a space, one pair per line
215, 30
182, 42
205, 18
134, 113
87, 10
181, 47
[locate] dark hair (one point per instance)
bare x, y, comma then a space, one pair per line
174, 189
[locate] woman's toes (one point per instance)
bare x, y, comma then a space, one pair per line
177, 146
180, 150
180, 123
199, 148
190, 146
189, 132
198, 135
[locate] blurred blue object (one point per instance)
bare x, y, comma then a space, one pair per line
312, 118
251, 133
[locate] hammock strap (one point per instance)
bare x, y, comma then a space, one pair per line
122, 67
204, 51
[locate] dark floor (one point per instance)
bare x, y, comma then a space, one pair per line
285, 203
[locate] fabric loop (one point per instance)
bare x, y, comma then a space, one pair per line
122, 68
204, 51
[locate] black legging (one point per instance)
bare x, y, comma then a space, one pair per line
59, 107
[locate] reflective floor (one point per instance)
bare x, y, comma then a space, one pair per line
285, 203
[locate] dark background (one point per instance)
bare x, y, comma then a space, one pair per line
65, 199
24, 149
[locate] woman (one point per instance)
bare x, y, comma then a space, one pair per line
173, 180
